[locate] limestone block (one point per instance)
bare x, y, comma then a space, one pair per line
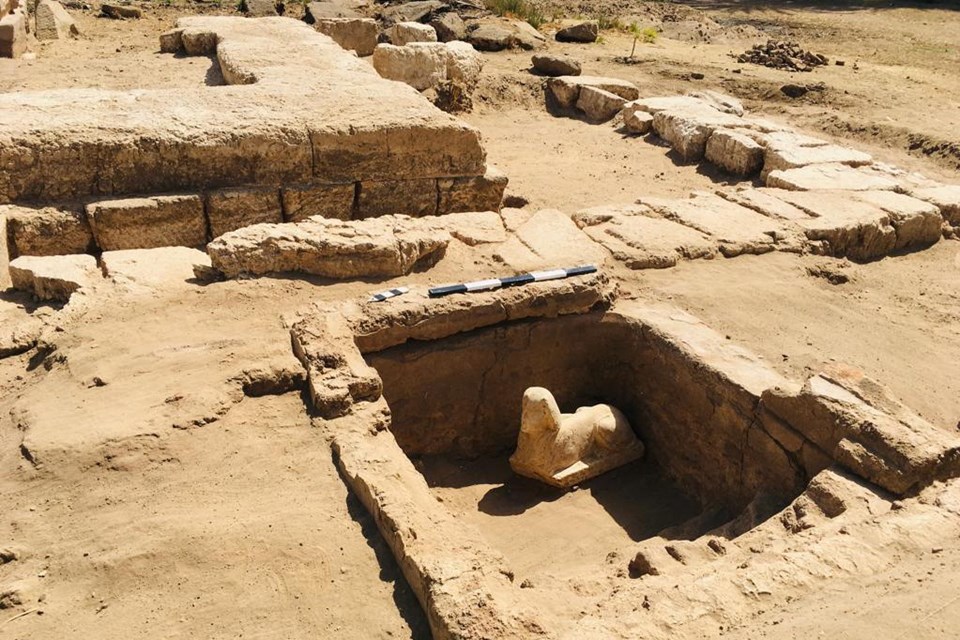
406, 32
599, 105
53, 278
47, 231
497, 34
231, 209
778, 157
383, 247
416, 11
766, 202
4, 254
566, 89
687, 130
159, 268
734, 152
586, 32
198, 41
640, 241
945, 197
145, 223
738, 230
555, 65
564, 449
719, 101
637, 121
53, 21
13, 34
475, 227
121, 12
329, 201
354, 34
549, 239
171, 41
316, 11
449, 27
899, 451
259, 8
480, 193
421, 68
387, 197
656, 104
424, 65
828, 176
917, 223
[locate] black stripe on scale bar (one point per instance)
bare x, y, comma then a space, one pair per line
386, 295
511, 281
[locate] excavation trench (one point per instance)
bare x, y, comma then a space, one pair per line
456, 403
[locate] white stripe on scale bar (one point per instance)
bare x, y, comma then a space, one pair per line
552, 274
480, 285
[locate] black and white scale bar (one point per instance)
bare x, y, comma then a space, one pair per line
386, 295
512, 281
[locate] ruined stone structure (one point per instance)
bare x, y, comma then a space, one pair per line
347, 144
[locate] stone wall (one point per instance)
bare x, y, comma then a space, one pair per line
343, 129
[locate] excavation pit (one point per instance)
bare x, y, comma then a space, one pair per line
421, 399
459, 400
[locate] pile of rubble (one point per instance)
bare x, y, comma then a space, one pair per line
778, 54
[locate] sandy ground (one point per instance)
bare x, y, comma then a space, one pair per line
127, 527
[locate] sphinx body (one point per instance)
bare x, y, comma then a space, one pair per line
562, 449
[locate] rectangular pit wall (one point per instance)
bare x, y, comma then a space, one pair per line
462, 396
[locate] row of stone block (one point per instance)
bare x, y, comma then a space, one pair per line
859, 225
193, 220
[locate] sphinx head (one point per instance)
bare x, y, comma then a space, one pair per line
539, 411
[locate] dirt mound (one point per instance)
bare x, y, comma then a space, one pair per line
788, 56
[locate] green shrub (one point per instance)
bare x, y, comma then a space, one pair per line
520, 9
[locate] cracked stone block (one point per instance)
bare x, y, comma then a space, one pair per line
53, 21
354, 34
158, 268
54, 278
781, 157
231, 209
406, 32
945, 197
549, 239
640, 240
566, 89
47, 231
481, 193
737, 230
734, 152
829, 176
383, 247
599, 105
765, 201
329, 201
687, 130
403, 197
145, 223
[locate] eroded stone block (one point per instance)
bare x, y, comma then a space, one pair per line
385, 247
406, 32
388, 197
566, 89
145, 223
13, 34
53, 21
734, 152
355, 34
481, 193
599, 105
231, 209
54, 278
47, 231
329, 201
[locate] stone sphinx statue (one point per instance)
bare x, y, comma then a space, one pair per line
563, 449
